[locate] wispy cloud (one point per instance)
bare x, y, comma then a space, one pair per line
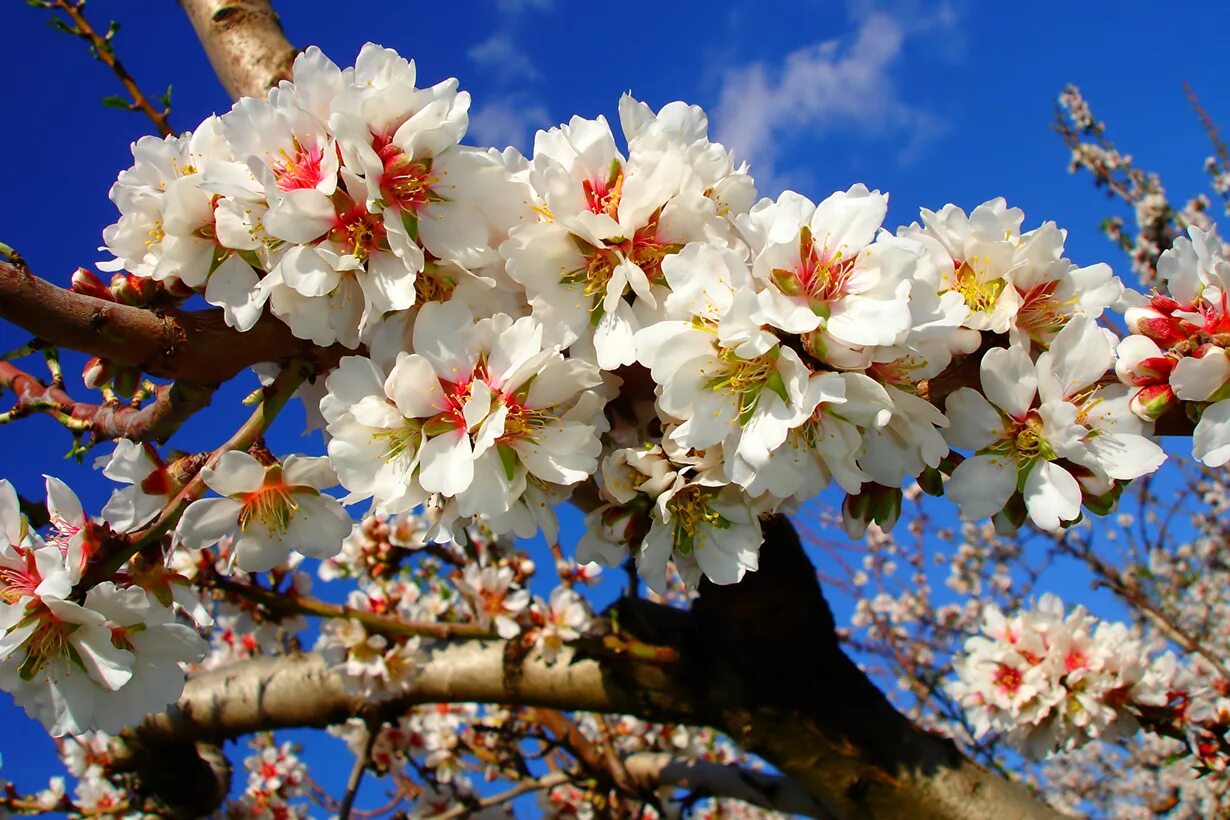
508, 121
501, 56
511, 110
838, 84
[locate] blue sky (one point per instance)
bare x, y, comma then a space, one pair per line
934, 102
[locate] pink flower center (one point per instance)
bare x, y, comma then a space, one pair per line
359, 232
602, 195
19, 582
1008, 679
298, 168
406, 183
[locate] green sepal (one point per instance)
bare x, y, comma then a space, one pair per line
508, 457
777, 385
438, 425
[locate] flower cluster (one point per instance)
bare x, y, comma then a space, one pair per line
1180, 347
499, 305
102, 660
1055, 680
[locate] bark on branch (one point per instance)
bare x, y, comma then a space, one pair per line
195, 346
244, 42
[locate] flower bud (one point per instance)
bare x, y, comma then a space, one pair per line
1161, 328
1152, 402
886, 507
931, 481
129, 289
95, 373
85, 282
856, 514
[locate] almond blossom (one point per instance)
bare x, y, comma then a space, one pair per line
1055, 679
482, 413
267, 510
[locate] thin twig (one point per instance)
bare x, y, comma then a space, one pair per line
548, 781
104, 52
362, 760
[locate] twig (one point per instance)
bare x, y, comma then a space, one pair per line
361, 762
1210, 127
548, 781
173, 405
384, 624
104, 52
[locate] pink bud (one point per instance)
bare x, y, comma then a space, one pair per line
1161, 328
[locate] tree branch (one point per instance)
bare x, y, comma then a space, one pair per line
194, 346
173, 404
244, 42
301, 690
656, 770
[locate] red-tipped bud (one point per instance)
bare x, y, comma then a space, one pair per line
1153, 371
1164, 304
84, 281
132, 290
1152, 402
95, 373
1161, 328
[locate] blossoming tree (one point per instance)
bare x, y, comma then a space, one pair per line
617, 321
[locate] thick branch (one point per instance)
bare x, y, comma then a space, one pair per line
195, 346
301, 690
244, 42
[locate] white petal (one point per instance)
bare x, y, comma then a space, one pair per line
206, 521
1052, 496
447, 463
1009, 380
234, 473
1196, 379
1211, 439
981, 485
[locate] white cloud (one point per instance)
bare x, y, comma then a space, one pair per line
509, 121
821, 88
500, 55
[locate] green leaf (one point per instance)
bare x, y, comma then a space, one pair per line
117, 102
59, 25
165, 99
